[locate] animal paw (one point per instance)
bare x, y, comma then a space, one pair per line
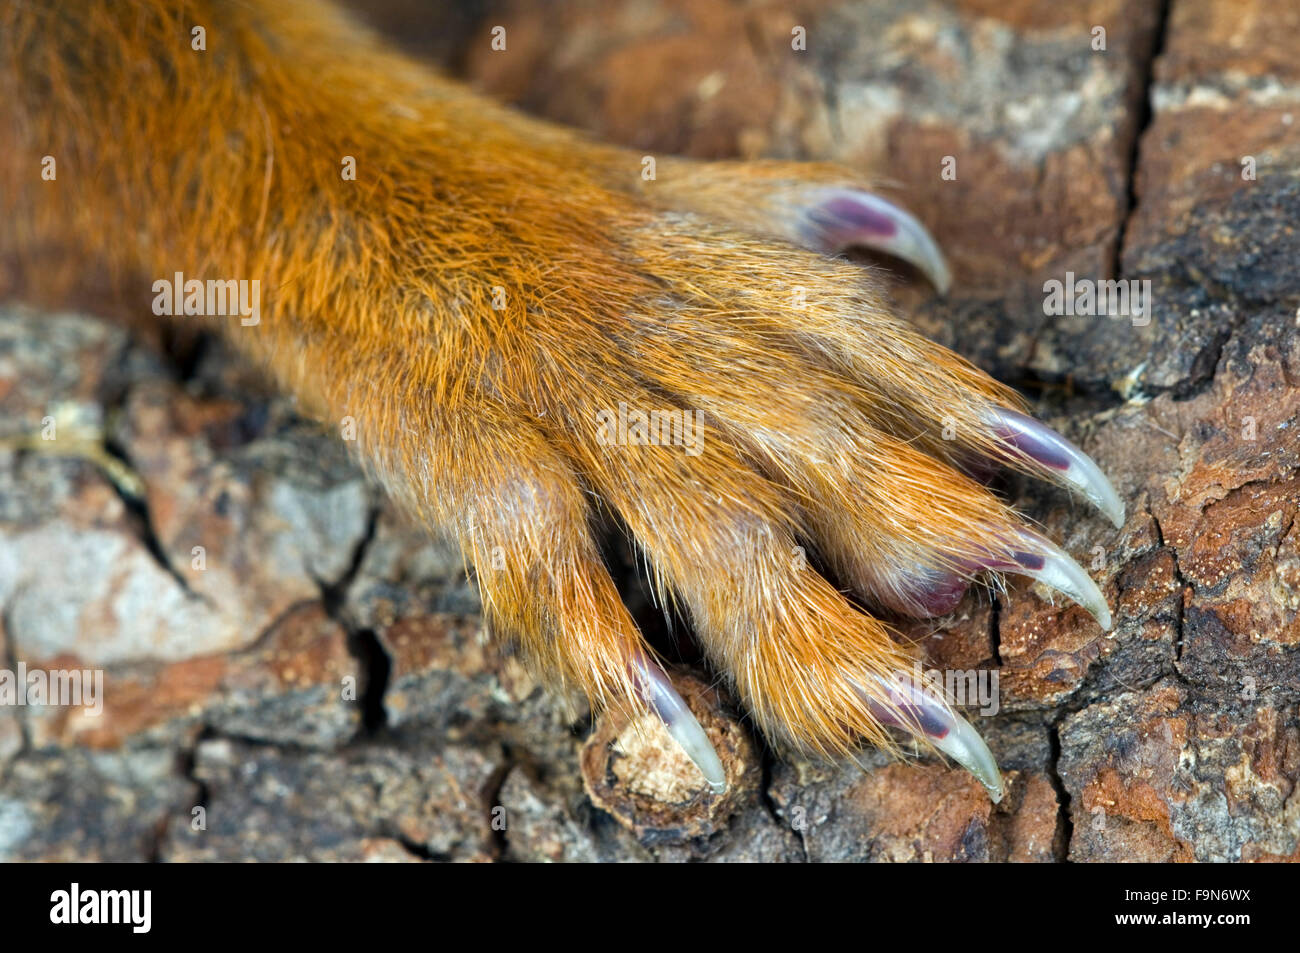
747, 410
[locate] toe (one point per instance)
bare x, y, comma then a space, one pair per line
523, 519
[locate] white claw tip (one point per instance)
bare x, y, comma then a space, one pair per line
1064, 575
935, 721
1064, 460
844, 218
672, 711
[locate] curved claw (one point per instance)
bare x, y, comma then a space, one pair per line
1024, 553
1040, 443
1045, 562
843, 218
917, 709
658, 692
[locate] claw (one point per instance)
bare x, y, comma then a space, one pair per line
843, 218
916, 708
1045, 562
937, 592
668, 706
1045, 446
1024, 553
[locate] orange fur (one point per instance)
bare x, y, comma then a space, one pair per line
821, 423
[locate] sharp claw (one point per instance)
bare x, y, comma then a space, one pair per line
1043, 561
1023, 552
1045, 446
917, 709
843, 218
657, 692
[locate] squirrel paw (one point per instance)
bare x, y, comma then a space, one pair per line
745, 404
528, 335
